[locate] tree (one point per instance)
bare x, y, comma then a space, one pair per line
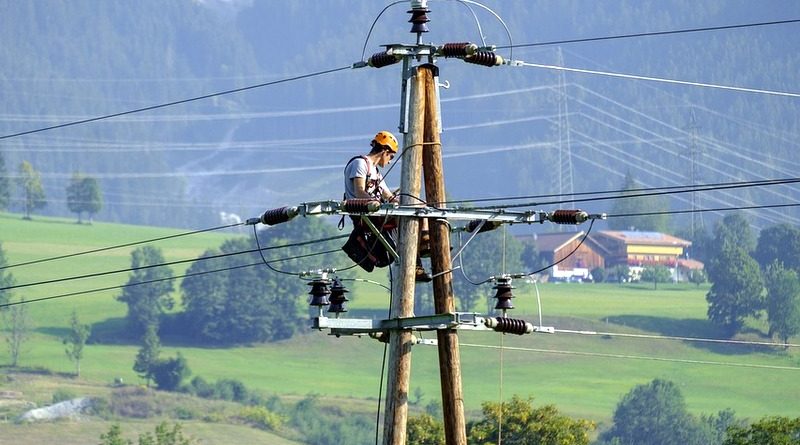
653, 414
19, 327
252, 304
489, 253
425, 429
83, 195
735, 230
75, 341
625, 206
148, 354
783, 301
656, 274
164, 435
169, 373
779, 243
525, 425
146, 302
774, 430
5, 184
30, 182
697, 276
598, 274
6, 279
737, 289
114, 436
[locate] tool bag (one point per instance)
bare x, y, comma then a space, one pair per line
364, 248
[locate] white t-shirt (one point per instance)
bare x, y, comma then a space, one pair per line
360, 167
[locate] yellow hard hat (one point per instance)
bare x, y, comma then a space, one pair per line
386, 139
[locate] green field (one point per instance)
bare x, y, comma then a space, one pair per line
583, 375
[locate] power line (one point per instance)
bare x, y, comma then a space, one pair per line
157, 280
736, 184
177, 102
635, 357
670, 337
122, 286
170, 263
649, 34
119, 246
661, 79
718, 209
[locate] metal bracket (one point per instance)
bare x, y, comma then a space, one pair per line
382, 240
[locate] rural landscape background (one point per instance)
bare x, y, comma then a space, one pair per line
267, 377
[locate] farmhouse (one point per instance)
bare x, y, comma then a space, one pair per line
609, 248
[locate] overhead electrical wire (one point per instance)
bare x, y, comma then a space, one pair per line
650, 34
660, 79
673, 191
155, 280
635, 357
173, 103
670, 337
752, 183
169, 263
119, 246
718, 209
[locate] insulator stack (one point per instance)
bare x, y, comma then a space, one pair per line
361, 205
419, 16
277, 216
489, 225
319, 293
338, 298
485, 58
568, 216
382, 59
460, 49
503, 295
509, 325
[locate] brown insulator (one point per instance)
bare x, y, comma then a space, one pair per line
503, 294
511, 326
277, 216
338, 298
319, 293
568, 216
485, 58
380, 60
459, 49
361, 205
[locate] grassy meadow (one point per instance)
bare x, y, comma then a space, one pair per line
584, 375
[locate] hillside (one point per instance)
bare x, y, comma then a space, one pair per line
284, 143
583, 375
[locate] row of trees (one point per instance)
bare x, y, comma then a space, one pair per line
751, 276
654, 413
83, 192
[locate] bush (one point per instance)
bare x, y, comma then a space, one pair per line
62, 395
598, 274
201, 388
261, 417
169, 373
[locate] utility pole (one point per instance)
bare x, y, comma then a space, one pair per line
449, 355
400, 341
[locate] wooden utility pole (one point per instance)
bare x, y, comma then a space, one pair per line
400, 341
449, 355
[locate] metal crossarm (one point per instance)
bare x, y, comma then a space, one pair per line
457, 320
500, 216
